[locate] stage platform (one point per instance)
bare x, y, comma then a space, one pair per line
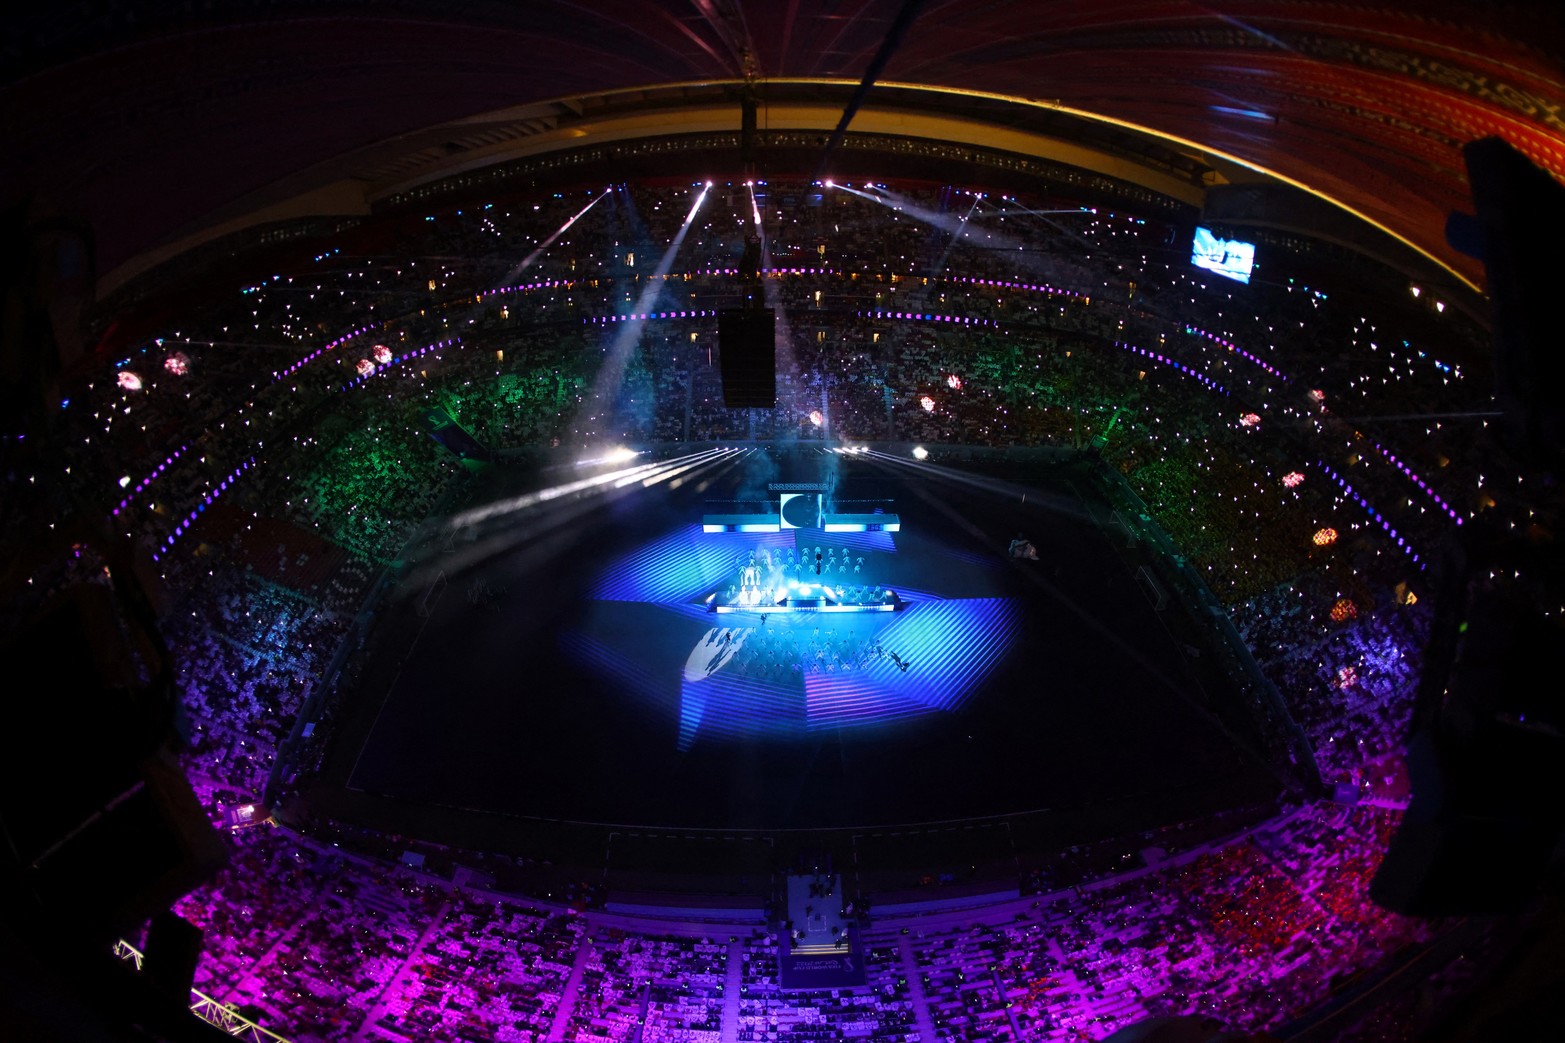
613, 678
808, 598
820, 949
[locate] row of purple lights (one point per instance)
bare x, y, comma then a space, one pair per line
318, 352
542, 284
1413, 477
1006, 284
1231, 346
1165, 360
399, 359
1384, 524
159, 469
642, 316
190, 519
765, 271
555, 284
961, 320
362, 330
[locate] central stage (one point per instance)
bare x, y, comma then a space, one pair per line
929, 677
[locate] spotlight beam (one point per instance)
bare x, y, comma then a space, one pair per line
772, 292
530, 259
1040, 215
529, 537
606, 385
1028, 256
516, 504
961, 230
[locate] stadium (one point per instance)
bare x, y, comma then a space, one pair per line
733, 521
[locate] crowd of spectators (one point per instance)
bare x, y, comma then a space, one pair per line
1219, 405
1250, 930
881, 1011
639, 985
247, 653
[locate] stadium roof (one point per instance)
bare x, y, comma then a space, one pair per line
163, 127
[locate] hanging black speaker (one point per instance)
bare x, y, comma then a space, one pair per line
747, 354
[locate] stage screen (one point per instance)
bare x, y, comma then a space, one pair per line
1229, 258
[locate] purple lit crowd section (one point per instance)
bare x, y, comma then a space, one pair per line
206, 501
321, 945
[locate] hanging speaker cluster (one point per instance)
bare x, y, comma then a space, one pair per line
747, 350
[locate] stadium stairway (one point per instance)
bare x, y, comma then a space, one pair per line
731, 989
562, 1016
915, 983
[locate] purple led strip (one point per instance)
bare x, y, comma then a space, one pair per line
190, 519
764, 271
647, 316
542, 284
397, 360
1384, 524
1007, 284
960, 320
1231, 346
1416, 480
159, 469
1165, 360
318, 352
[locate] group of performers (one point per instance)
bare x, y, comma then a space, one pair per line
764, 574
